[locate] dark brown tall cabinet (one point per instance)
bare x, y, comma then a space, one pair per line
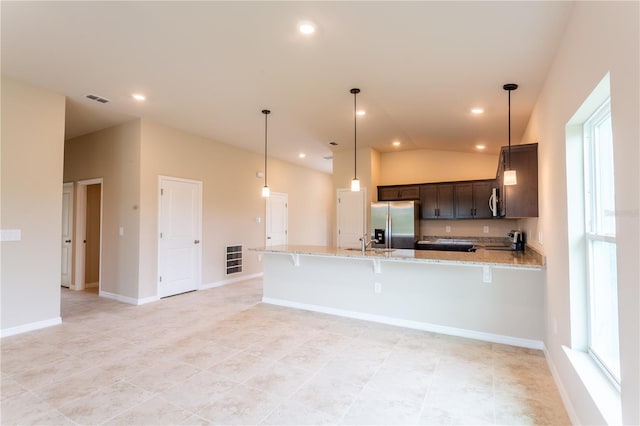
520, 200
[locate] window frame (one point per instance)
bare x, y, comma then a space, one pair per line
593, 224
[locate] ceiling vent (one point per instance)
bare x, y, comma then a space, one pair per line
97, 98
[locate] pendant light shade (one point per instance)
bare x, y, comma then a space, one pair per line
355, 183
265, 188
510, 177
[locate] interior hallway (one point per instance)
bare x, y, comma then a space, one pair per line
219, 356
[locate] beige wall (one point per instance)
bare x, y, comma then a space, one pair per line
425, 165
113, 154
231, 199
601, 37
467, 228
31, 200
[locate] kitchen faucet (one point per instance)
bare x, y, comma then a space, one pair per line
364, 244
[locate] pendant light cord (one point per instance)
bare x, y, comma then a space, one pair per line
266, 112
355, 132
509, 129
355, 135
509, 87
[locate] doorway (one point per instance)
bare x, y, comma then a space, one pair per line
277, 219
180, 228
351, 217
88, 235
67, 236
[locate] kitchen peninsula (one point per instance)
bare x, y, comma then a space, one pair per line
496, 296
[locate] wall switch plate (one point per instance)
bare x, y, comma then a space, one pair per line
121, 231
258, 219
447, 229
486, 274
377, 287
10, 235
485, 229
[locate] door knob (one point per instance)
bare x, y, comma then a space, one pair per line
196, 242
67, 241
268, 238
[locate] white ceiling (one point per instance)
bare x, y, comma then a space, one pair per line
211, 67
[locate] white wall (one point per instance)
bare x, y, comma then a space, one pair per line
601, 37
31, 201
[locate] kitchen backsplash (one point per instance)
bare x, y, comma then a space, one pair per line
468, 228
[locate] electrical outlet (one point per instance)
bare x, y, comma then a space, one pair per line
377, 287
485, 229
486, 274
447, 229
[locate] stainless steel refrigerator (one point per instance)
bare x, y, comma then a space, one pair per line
395, 224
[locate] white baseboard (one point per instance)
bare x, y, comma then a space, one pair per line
230, 281
126, 299
452, 331
30, 327
571, 412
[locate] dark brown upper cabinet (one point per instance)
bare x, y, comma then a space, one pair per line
436, 201
398, 192
471, 199
520, 200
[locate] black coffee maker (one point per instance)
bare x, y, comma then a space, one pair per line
517, 240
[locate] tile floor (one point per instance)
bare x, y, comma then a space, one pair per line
220, 356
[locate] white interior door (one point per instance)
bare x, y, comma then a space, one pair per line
351, 217
67, 233
277, 219
179, 248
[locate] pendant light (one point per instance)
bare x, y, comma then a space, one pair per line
265, 188
510, 177
355, 183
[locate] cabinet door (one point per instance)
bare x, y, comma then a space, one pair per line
445, 201
481, 195
464, 200
397, 193
428, 201
521, 200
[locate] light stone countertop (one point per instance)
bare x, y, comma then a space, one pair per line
529, 259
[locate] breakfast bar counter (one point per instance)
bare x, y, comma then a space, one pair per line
491, 295
528, 259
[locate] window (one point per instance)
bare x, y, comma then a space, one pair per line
600, 241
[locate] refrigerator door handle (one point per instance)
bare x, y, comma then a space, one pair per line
389, 232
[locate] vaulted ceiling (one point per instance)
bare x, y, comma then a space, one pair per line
210, 68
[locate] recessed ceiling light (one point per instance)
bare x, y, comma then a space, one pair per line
360, 112
138, 97
477, 111
306, 28
480, 146
302, 155
396, 143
